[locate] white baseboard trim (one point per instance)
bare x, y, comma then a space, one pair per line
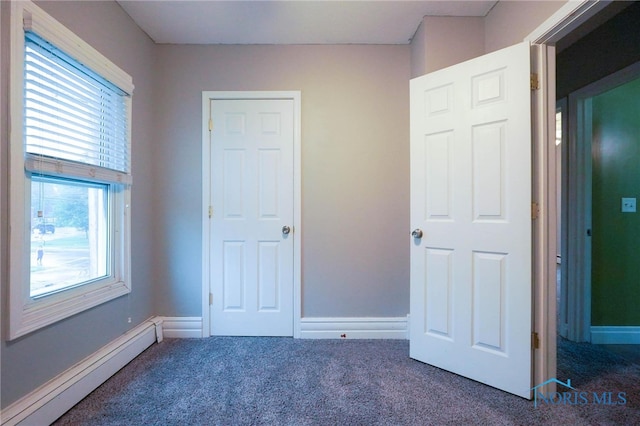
51, 400
354, 328
615, 335
182, 327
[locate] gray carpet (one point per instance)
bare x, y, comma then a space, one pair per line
283, 381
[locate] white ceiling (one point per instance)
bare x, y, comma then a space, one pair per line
290, 22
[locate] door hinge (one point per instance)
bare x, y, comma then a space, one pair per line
535, 211
210, 212
210, 125
535, 340
535, 83
210, 298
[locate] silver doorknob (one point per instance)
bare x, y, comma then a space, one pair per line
286, 230
417, 233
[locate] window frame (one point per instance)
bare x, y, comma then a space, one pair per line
27, 314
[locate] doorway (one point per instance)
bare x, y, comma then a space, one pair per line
573, 23
601, 271
587, 70
591, 60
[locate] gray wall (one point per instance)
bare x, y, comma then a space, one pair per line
355, 176
30, 361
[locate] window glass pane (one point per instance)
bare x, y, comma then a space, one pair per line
70, 234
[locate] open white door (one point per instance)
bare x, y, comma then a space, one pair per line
471, 253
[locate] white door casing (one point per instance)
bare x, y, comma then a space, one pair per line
471, 189
252, 228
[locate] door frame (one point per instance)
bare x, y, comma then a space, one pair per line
568, 18
207, 97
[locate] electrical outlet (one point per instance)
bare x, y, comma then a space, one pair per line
129, 320
628, 205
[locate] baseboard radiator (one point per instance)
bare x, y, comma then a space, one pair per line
354, 328
51, 400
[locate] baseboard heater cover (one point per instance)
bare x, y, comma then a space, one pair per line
354, 328
51, 400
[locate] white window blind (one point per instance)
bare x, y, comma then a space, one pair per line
75, 121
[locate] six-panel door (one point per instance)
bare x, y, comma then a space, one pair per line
471, 198
252, 224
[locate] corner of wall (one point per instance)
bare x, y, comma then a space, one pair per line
4, 169
442, 41
418, 63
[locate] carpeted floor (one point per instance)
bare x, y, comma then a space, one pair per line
283, 381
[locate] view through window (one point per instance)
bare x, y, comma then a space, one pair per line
69, 237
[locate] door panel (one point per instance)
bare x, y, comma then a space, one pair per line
438, 265
233, 270
252, 197
439, 166
471, 197
268, 280
234, 183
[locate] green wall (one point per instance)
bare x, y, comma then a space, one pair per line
616, 235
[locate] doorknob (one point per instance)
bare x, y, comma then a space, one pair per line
417, 233
286, 230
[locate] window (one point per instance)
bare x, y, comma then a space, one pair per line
70, 174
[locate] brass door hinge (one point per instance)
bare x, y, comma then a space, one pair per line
210, 125
210, 298
535, 83
210, 212
535, 340
535, 211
